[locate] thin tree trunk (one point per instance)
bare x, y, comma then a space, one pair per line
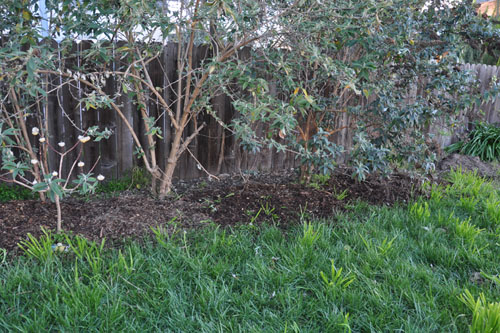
59, 215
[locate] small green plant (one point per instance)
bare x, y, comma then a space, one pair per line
340, 196
436, 194
93, 255
161, 235
269, 211
337, 280
222, 239
483, 141
467, 230
78, 245
303, 215
211, 204
140, 178
492, 209
125, 264
383, 249
41, 248
485, 316
493, 278
386, 246
254, 216
82, 247
294, 327
318, 181
345, 324
419, 211
469, 203
3, 256
310, 236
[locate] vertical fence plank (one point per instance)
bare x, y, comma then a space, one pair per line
107, 119
124, 141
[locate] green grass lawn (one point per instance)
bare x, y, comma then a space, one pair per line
406, 268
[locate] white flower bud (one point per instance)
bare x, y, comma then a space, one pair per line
35, 131
61, 144
100, 178
80, 164
35, 182
42, 140
34, 161
54, 174
83, 139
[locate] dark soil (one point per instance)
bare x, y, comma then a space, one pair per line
231, 200
469, 163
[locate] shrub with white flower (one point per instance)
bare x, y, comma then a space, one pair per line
30, 167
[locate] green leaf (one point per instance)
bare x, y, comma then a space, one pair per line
27, 15
56, 189
38, 187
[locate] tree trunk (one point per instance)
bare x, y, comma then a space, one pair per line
166, 183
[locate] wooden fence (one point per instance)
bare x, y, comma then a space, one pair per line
215, 148
488, 112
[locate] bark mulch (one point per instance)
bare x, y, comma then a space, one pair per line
232, 200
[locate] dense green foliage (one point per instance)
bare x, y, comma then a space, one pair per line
8, 193
382, 72
325, 79
137, 178
415, 267
483, 141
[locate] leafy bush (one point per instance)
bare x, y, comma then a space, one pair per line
345, 78
8, 193
483, 141
317, 72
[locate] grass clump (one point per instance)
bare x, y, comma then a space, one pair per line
483, 141
372, 269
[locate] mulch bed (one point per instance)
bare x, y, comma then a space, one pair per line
232, 200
